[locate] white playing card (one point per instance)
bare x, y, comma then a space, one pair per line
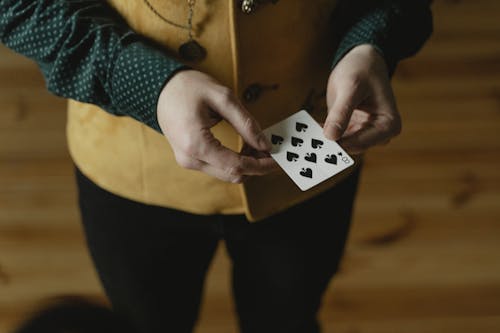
304, 153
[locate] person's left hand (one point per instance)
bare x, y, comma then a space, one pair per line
362, 110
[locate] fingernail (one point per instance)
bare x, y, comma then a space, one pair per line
264, 142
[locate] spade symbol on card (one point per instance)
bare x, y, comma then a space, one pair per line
291, 157
297, 142
311, 157
300, 127
332, 159
306, 172
315, 143
276, 139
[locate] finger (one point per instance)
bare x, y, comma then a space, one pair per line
380, 132
233, 175
250, 151
212, 152
271, 164
228, 106
191, 163
240, 165
221, 174
341, 111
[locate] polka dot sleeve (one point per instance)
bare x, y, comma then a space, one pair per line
396, 28
87, 52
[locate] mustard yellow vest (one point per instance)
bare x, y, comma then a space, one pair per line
285, 48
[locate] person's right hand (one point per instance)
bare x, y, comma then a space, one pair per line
190, 104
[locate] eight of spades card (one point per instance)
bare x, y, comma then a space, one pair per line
304, 153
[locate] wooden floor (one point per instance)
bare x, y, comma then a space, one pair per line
424, 252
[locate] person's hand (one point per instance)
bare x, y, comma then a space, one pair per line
362, 110
190, 104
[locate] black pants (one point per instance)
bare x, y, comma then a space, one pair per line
152, 260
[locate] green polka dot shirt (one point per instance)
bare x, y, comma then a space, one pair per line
87, 52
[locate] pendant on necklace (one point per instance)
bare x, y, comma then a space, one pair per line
192, 51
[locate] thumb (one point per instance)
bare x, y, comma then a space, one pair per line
243, 122
340, 113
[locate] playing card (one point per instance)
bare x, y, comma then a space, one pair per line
304, 153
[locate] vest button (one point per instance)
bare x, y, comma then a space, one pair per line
248, 6
252, 93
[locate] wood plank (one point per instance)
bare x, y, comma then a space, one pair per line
422, 252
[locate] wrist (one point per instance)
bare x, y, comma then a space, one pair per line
176, 75
373, 55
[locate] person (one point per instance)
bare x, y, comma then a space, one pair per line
168, 100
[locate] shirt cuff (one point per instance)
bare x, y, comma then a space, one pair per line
396, 29
371, 29
138, 77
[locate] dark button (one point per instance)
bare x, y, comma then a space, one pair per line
248, 6
253, 91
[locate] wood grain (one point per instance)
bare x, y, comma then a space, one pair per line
423, 252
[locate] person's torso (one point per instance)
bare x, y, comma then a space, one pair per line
277, 60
